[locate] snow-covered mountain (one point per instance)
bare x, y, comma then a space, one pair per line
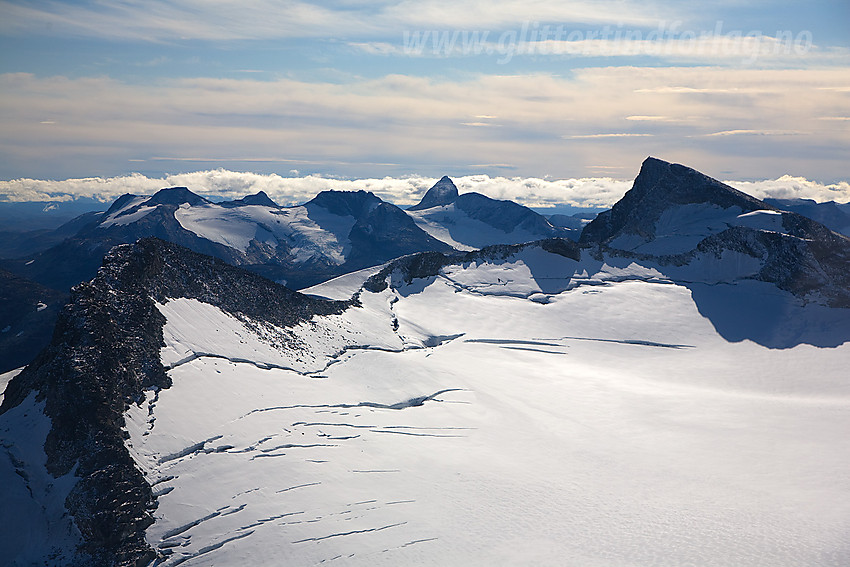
542, 403
335, 233
471, 221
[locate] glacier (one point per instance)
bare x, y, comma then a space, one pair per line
495, 413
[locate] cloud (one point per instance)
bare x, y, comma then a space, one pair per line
164, 21
399, 124
757, 133
592, 192
789, 187
615, 135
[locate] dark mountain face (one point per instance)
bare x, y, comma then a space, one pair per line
505, 215
443, 192
385, 233
105, 352
174, 196
795, 253
357, 204
658, 186
28, 313
256, 199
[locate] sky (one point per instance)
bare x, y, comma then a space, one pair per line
392, 95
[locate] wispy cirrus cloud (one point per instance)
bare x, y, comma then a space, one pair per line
168, 21
609, 135
757, 133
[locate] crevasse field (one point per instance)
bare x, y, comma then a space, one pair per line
531, 411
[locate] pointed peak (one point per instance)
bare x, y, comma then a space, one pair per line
444, 192
660, 186
119, 203
674, 183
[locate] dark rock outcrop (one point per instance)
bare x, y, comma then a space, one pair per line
260, 198
428, 264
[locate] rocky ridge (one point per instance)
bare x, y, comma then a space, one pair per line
105, 352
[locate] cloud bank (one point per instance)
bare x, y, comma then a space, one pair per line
592, 192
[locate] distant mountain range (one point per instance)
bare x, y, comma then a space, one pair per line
335, 233
680, 368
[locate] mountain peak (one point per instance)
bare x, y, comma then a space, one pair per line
346, 203
682, 185
659, 186
119, 204
443, 192
175, 196
259, 198
104, 355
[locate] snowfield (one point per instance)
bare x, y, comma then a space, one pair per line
457, 229
310, 230
530, 411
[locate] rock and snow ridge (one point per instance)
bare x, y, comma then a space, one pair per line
683, 219
105, 355
336, 232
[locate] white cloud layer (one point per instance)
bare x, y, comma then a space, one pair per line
529, 191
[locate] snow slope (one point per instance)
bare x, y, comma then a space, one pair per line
527, 410
35, 524
682, 227
309, 230
457, 229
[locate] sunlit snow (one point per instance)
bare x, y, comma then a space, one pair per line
457, 229
533, 411
309, 230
